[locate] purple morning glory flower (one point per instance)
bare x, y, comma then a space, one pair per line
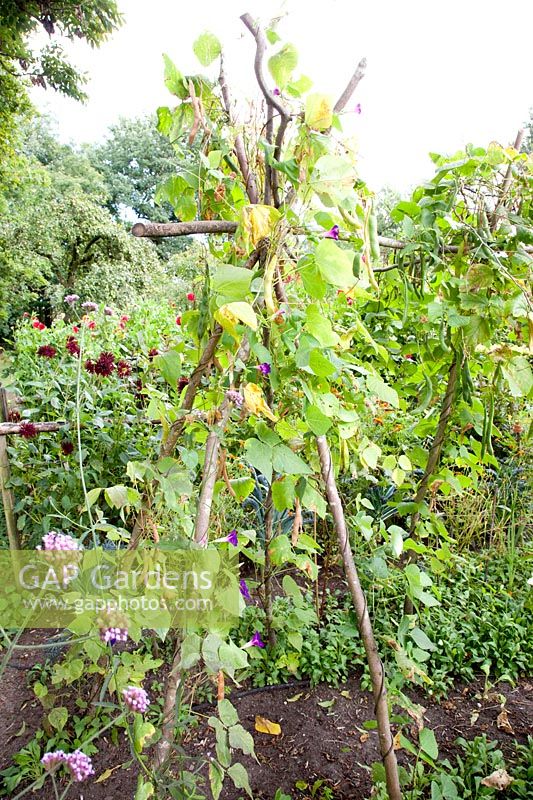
232, 538
255, 641
276, 92
357, 108
244, 590
333, 233
265, 368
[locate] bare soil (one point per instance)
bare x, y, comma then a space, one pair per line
326, 742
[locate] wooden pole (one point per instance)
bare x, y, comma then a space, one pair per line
377, 673
10, 428
8, 498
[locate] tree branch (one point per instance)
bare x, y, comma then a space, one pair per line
14, 428
154, 230
248, 176
261, 46
353, 83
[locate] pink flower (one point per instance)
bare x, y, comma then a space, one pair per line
357, 108
255, 641
75, 329
52, 759
276, 92
191, 297
79, 765
235, 397
59, 541
91, 324
333, 233
113, 635
136, 699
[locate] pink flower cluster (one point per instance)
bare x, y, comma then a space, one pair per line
136, 699
78, 764
235, 397
59, 541
113, 635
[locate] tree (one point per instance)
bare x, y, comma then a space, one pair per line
135, 161
91, 21
70, 167
56, 238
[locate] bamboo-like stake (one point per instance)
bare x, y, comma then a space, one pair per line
205, 501
377, 673
172, 686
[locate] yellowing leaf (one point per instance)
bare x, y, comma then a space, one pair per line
264, 725
244, 312
255, 402
257, 222
230, 314
319, 111
294, 698
107, 774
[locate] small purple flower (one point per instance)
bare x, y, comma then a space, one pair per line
52, 759
232, 538
79, 765
59, 541
265, 368
235, 397
108, 311
255, 641
333, 233
357, 108
89, 305
276, 92
136, 699
244, 590
113, 635
71, 299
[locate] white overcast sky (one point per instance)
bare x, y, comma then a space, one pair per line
440, 74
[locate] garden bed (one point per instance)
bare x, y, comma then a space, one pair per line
323, 734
